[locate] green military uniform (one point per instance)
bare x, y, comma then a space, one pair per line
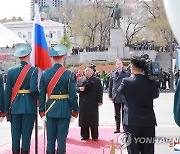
177, 104
23, 108
58, 117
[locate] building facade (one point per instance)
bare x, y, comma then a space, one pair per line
54, 31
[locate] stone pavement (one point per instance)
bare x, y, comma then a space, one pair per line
164, 113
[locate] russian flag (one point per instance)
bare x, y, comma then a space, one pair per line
39, 55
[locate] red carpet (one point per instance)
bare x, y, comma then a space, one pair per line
75, 145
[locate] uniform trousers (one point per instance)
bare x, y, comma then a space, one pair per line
138, 146
118, 109
57, 129
85, 132
22, 125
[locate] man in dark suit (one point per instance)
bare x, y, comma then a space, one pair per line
139, 117
118, 100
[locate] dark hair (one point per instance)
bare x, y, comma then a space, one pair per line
138, 62
92, 66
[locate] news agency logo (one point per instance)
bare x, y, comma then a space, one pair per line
125, 139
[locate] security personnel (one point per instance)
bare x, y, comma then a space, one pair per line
21, 93
139, 117
118, 100
2, 114
60, 86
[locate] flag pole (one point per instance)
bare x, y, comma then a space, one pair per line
36, 122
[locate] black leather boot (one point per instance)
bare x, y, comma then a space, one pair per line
117, 127
50, 152
25, 151
16, 151
60, 152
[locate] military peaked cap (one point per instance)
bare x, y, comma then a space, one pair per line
22, 50
58, 50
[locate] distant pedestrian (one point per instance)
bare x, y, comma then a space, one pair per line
78, 75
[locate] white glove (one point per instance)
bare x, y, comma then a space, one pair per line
1, 119
44, 120
72, 119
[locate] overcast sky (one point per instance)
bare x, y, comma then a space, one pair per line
17, 8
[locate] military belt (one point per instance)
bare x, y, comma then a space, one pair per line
24, 91
59, 96
56, 97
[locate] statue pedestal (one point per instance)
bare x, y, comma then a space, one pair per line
116, 49
116, 37
116, 44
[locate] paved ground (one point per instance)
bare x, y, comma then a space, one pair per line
163, 109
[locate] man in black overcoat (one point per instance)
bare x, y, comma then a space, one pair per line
90, 98
118, 100
139, 117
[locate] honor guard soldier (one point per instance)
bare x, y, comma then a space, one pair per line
2, 114
21, 94
60, 86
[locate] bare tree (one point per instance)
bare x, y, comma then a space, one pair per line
134, 21
92, 23
157, 22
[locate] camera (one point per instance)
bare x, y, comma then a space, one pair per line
151, 69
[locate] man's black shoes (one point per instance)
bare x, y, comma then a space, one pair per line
117, 131
84, 138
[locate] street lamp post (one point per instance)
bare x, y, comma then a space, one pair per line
64, 34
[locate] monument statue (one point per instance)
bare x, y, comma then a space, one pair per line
49, 12
116, 14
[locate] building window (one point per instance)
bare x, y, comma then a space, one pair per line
50, 34
29, 35
58, 35
20, 34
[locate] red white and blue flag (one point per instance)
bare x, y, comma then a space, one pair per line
39, 55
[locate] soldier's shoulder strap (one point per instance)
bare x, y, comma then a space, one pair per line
19, 81
55, 79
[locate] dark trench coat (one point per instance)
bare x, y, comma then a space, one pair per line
88, 101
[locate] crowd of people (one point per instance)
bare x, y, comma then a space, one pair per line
150, 46
99, 48
130, 90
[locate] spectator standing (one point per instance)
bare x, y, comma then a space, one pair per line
78, 75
